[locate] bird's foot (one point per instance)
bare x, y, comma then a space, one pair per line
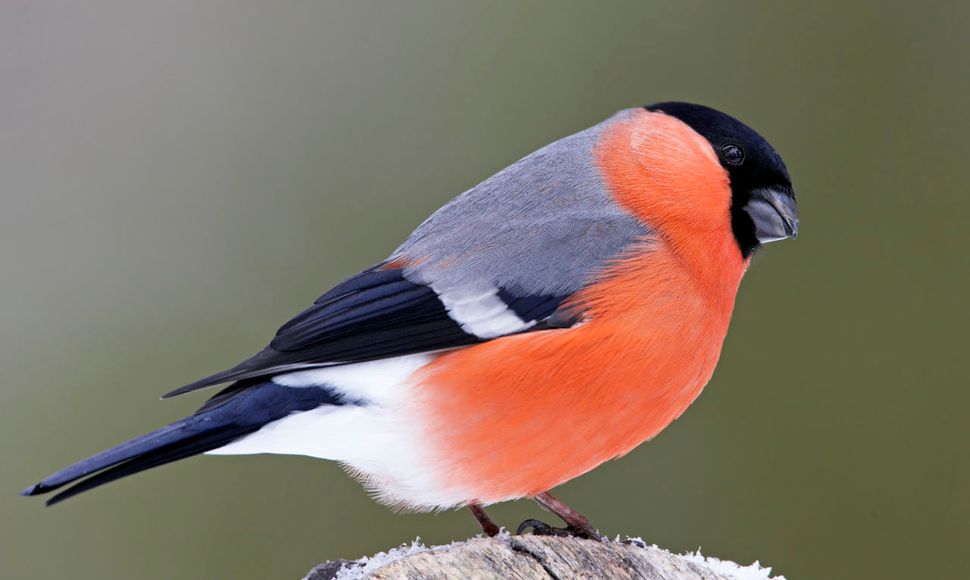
577, 525
543, 529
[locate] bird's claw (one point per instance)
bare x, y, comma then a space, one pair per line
543, 529
539, 529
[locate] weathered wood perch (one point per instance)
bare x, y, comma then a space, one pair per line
540, 557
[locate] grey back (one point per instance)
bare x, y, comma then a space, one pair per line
543, 225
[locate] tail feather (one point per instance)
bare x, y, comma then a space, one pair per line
159, 438
235, 412
155, 458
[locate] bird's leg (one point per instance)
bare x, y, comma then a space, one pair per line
488, 526
576, 523
573, 518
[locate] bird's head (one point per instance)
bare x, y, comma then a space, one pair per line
693, 168
762, 199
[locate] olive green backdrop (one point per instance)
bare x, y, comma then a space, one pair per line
177, 178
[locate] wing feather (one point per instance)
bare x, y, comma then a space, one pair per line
504, 257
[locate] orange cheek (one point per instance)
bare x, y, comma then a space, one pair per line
668, 176
665, 173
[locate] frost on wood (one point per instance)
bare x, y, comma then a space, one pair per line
520, 557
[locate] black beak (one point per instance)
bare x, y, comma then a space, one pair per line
774, 213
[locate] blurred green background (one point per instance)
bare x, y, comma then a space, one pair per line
178, 178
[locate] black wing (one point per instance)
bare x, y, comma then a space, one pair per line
376, 314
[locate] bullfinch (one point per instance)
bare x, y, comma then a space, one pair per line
554, 316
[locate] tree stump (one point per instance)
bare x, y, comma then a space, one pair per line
540, 557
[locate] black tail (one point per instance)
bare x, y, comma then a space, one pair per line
179, 440
238, 411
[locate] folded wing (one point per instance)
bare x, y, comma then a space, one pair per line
504, 257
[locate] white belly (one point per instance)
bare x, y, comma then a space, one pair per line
376, 433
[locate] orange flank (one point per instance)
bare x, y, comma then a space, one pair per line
519, 415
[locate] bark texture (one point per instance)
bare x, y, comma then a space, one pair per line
540, 557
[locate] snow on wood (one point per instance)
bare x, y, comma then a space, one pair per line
522, 557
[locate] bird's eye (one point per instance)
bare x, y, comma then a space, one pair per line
733, 154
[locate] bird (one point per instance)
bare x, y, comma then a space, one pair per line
551, 318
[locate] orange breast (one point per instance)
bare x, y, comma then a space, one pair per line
517, 416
